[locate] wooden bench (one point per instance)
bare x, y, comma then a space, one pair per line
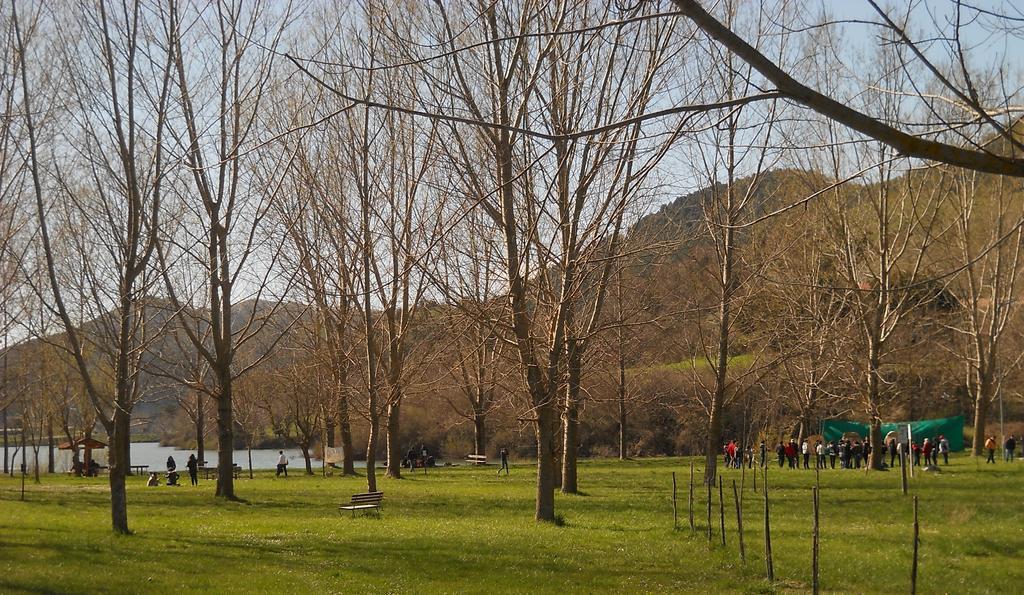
212, 471
476, 459
367, 501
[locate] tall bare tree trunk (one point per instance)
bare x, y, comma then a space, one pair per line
394, 447
371, 453
479, 431
874, 419
982, 400
200, 427
50, 467
546, 469
118, 470
225, 438
345, 435
570, 422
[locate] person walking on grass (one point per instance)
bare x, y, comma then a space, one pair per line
780, 451
832, 452
990, 446
282, 464
926, 448
892, 452
764, 454
805, 449
193, 469
1009, 446
504, 461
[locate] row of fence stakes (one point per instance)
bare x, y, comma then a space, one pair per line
768, 562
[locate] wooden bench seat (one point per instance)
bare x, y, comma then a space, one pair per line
367, 501
476, 459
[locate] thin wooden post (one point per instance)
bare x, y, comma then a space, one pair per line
692, 526
675, 517
708, 485
903, 471
770, 570
739, 519
755, 478
721, 509
913, 569
814, 543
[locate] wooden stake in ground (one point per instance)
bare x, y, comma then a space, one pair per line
903, 471
814, 543
913, 569
769, 569
739, 519
708, 484
692, 527
755, 481
675, 517
721, 509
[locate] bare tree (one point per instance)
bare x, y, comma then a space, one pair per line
121, 71
988, 239
222, 73
983, 116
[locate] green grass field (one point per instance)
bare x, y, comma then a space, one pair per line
462, 530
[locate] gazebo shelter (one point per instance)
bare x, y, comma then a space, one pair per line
88, 445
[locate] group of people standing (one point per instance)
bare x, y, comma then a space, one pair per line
850, 453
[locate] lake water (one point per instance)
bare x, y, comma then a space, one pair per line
154, 455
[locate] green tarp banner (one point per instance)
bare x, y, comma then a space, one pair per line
950, 427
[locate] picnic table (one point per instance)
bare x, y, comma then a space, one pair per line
208, 471
139, 469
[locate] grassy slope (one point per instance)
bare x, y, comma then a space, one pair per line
465, 530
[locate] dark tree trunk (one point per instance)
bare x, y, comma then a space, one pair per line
200, 428
479, 431
371, 452
7, 469
305, 455
118, 470
225, 439
570, 425
622, 406
546, 469
329, 432
345, 433
394, 447
50, 466
874, 393
981, 403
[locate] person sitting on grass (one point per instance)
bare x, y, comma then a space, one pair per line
154, 479
990, 446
